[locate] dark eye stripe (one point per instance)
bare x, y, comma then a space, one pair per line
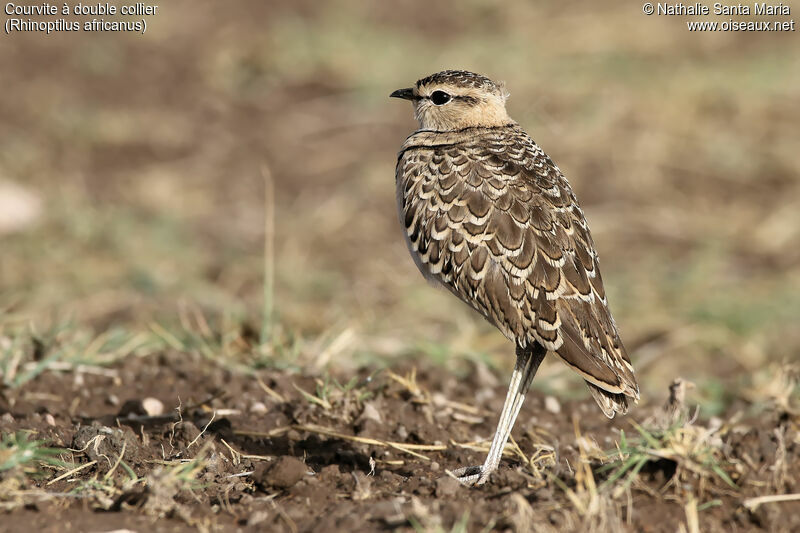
471, 100
467, 99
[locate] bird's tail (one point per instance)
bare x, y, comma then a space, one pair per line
611, 403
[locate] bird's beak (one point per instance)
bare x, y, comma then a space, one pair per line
405, 94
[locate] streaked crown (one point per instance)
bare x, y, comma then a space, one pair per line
462, 79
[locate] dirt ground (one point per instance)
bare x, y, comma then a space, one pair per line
281, 452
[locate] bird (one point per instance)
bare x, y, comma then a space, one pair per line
490, 217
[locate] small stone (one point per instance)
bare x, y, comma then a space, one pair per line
153, 406
402, 432
257, 517
552, 405
112, 400
19, 207
48, 418
370, 412
186, 432
258, 408
435, 466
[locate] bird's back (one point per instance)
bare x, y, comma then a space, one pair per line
492, 218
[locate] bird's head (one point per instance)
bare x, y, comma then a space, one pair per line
456, 99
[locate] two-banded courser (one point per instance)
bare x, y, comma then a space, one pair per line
488, 215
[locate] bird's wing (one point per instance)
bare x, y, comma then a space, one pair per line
494, 220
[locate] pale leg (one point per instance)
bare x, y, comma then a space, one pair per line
528, 361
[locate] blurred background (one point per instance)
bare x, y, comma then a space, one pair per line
134, 173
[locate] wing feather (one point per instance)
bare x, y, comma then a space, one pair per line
529, 264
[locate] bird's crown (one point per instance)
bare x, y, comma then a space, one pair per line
461, 79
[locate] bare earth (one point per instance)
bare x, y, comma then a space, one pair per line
281, 461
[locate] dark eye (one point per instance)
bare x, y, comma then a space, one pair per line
440, 97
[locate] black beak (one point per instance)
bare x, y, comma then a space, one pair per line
405, 94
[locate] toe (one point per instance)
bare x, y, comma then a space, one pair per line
468, 475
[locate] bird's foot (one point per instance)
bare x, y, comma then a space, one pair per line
471, 475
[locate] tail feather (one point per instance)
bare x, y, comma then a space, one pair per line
611, 403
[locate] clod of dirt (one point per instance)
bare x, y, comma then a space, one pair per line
184, 433
447, 486
282, 474
390, 478
421, 485
329, 474
105, 443
222, 428
132, 407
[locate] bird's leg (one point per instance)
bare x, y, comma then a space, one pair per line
528, 360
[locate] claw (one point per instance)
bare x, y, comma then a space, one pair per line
469, 475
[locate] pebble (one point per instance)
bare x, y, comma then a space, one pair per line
402, 432
153, 406
258, 408
257, 517
49, 419
19, 207
552, 405
370, 412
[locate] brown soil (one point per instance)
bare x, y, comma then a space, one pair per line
278, 461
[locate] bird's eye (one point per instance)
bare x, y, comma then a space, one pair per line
440, 97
